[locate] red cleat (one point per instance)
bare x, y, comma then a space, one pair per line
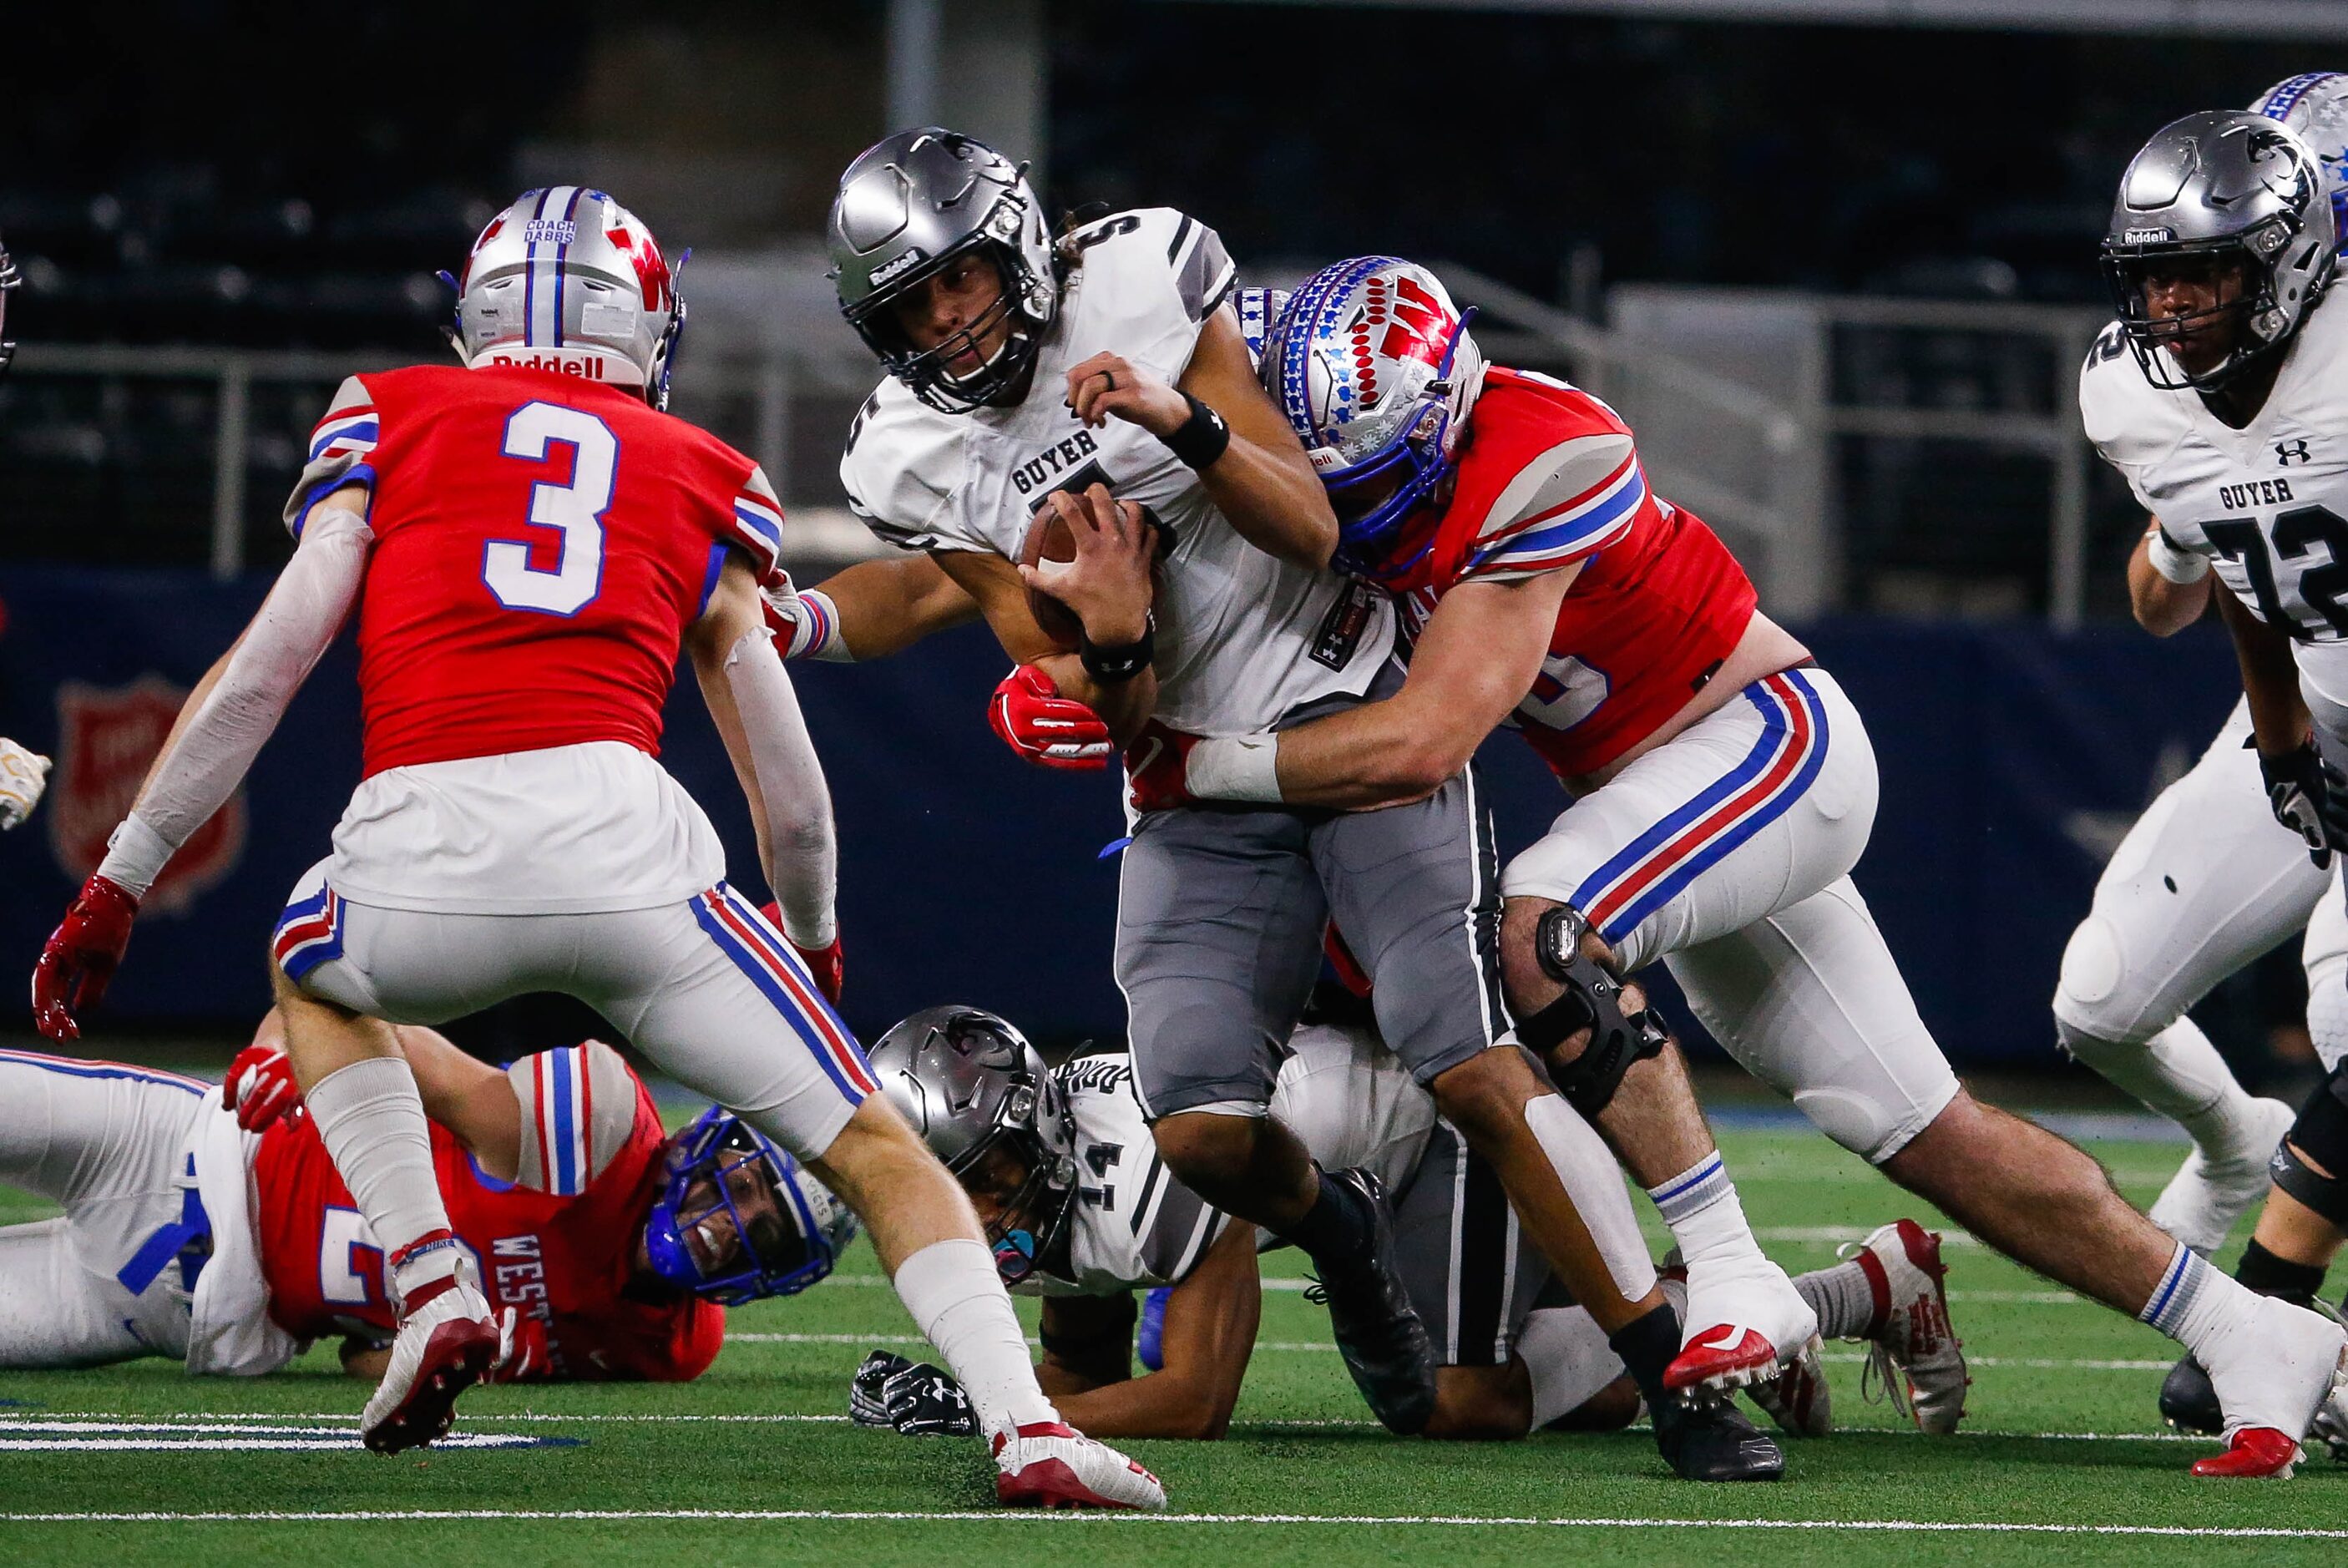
2256, 1453
1051, 1465
447, 1343
1722, 1356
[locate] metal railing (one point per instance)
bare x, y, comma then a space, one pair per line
1757, 462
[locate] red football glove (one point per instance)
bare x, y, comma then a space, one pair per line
260, 1088
824, 963
80, 956
1157, 765
522, 1351
1045, 727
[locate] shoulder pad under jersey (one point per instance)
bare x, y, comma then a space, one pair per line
579, 1108
2131, 422
901, 466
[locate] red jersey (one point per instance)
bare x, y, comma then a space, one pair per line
561, 1250
541, 543
1549, 477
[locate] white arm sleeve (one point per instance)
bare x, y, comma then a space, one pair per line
799, 836
312, 598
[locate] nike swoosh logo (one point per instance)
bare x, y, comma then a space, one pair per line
1730, 1338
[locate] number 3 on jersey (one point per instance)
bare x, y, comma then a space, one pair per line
576, 509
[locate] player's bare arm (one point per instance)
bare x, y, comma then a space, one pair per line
1261, 481
1209, 1332
758, 716
2168, 588
471, 1098
2270, 679
994, 584
886, 607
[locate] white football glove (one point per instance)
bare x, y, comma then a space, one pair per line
22, 776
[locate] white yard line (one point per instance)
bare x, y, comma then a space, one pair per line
1005, 1516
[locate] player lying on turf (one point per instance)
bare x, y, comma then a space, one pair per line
1059, 1166
2208, 878
1029, 384
529, 540
210, 1225
1724, 789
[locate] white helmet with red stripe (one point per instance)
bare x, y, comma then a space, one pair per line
566, 279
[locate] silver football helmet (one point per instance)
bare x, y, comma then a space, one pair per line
566, 279
9, 279
908, 206
977, 1093
2223, 188
2315, 105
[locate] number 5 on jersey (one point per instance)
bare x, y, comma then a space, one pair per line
576, 509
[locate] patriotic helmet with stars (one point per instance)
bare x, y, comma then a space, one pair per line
2315, 105
1258, 310
566, 279
1374, 368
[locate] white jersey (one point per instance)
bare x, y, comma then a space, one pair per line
1135, 1227
1243, 638
2267, 504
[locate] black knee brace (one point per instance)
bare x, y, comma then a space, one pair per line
1592, 1000
2320, 1133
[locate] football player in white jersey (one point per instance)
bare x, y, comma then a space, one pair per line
2221, 395
1058, 1163
2207, 880
1024, 376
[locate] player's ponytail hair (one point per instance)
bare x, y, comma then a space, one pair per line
1066, 255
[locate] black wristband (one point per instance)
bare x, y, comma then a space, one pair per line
1201, 437
1120, 661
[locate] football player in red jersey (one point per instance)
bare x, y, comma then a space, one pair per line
211, 1225
527, 540
1724, 789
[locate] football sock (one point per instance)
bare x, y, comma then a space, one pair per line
958, 1303
2179, 1074
2194, 1303
1841, 1298
371, 1120
1337, 1230
1586, 1169
1707, 1220
2268, 1274
1647, 1345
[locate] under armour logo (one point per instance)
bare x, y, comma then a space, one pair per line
2290, 452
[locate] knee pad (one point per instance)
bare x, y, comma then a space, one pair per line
2089, 998
1592, 1000
2320, 1133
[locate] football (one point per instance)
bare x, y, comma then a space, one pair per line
1052, 544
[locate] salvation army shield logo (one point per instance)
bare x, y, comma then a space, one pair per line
106, 738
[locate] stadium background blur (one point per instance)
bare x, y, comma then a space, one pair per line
1833, 259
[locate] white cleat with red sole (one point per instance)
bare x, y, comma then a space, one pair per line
1049, 1464
1911, 1348
1735, 1325
448, 1341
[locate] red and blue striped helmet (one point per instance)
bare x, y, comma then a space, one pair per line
785, 1241
1372, 365
566, 279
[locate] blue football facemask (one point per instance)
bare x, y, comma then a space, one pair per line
737, 1220
1374, 498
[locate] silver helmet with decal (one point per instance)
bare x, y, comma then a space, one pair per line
2222, 191
908, 207
984, 1100
566, 279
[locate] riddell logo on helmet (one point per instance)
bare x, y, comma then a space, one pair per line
902, 262
2147, 236
587, 367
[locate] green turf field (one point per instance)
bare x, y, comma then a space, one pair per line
2061, 1459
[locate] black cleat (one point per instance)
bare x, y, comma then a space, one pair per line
2188, 1402
1708, 1438
1380, 1335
